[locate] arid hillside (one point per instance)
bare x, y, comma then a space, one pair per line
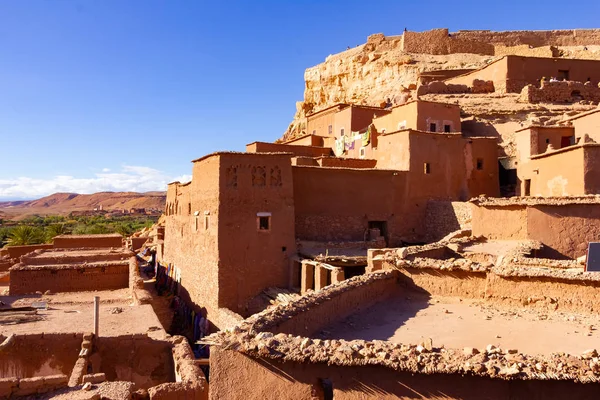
394, 67
64, 203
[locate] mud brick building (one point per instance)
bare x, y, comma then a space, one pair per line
233, 230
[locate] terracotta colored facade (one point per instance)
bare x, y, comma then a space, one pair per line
510, 74
559, 160
427, 116
564, 227
341, 119
231, 232
213, 234
587, 123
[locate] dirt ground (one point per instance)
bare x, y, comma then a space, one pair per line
457, 323
73, 312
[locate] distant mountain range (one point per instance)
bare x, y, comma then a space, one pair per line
64, 203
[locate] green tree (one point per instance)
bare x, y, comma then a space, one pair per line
25, 234
55, 230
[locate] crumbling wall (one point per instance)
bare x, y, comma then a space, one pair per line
560, 92
69, 278
444, 217
566, 37
439, 41
135, 358
263, 378
37, 355
340, 304
190, 380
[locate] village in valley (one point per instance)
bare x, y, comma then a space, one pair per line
426, 227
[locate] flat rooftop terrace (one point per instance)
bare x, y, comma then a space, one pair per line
74, 312
453, 322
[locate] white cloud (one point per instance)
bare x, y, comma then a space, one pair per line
130, 179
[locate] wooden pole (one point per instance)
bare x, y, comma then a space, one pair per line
96, 314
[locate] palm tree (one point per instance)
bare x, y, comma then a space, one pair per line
55, 230
25, 234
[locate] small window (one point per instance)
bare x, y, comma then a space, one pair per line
314, 131
330, 129
206, 222
447, 128
432, 127
527, 187
480, 164
342, 132
362, 152
189, 208
547, 141
427, 168
264, 223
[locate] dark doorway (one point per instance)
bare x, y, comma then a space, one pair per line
382, 226
432, 127
566, 141
527, 187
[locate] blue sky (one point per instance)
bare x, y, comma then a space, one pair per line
122, 95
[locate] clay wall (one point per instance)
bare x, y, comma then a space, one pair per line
17, 251
339, 305
335, 204
250, 258
502, 223
560, 92
535, 140
530, 70
78, 241
591, 162
401, 117
566, 229
302, 381
318, 123
394, 151
481, 167
307, 151
438, 41
454, 163
439, 113
338, 162
79, 256
190, 242
418, 115
38, 355
549, 175
307, 140
565, 37
588, 124
136, 358
69, 278
496, 71
444, 217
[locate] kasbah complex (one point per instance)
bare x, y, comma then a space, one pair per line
420, 231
